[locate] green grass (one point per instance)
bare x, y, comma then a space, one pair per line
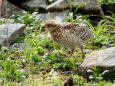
45, 62
106, 1
101, 36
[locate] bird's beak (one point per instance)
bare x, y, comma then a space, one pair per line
43, 25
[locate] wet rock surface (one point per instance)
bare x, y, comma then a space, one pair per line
104, 59
87, 6
10, 32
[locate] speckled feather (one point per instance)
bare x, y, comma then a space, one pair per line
69, 35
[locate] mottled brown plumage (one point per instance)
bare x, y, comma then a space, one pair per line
69, 35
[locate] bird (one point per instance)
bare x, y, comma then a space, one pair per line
69, 35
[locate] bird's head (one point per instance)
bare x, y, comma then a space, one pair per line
50, 25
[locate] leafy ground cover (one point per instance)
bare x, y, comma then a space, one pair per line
41, 62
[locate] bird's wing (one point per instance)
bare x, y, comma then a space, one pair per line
80, 31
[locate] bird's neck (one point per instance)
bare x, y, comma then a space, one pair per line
57, 27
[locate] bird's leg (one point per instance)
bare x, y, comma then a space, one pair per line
71, 52
83, 54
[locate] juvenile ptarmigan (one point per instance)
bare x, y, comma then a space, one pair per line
68, 35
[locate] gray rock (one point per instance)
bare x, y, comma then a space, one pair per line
53, 15
19, 46
88, 6
7, 21
7, 9
58, 5
10, 32
33, 5
43, 16
105, 59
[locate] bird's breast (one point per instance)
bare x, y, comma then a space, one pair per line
65, 39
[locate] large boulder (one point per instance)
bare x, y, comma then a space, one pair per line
31, 5
7, 9
10, 32
103, 59
87, 6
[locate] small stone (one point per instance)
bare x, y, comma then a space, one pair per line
10, 32
105, 59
